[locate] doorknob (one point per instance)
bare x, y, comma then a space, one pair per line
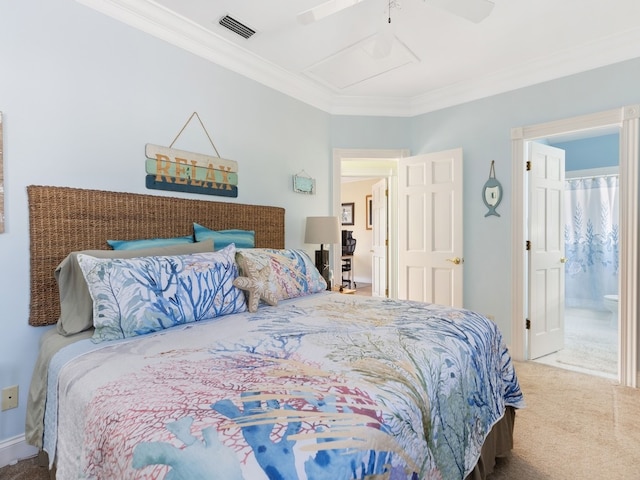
563, 259
455, 260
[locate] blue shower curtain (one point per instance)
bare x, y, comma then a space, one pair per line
591, 240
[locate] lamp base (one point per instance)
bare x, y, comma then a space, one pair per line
322, 264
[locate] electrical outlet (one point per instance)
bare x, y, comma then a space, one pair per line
10, 397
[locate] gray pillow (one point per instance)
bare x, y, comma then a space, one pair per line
76, 306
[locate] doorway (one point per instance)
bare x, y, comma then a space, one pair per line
589, 227
370, 163
358, 272
428, 225
626, 119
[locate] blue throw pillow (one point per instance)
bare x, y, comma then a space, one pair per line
222, 238
149, 243
141, 295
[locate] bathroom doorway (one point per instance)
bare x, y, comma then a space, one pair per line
627, 120
591, 246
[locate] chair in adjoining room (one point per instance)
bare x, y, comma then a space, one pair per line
348, 247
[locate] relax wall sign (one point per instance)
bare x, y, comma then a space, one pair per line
182, 171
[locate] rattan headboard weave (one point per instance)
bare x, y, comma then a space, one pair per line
62, 220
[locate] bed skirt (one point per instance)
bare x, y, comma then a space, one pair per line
499, 443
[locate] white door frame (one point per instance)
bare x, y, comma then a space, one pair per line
627, 119
359, 157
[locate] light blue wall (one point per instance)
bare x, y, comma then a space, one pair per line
370, 132
595, 152
82, 94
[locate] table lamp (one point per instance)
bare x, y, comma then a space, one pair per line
322, 230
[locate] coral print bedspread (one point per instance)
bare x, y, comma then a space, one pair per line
324, 387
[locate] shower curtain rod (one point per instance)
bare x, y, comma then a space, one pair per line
590, 177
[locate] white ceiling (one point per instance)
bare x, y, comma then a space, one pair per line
437, 59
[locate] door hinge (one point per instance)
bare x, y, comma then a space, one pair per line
527, 324
386, 192
386, 292
386, 242
527, 245
528, 165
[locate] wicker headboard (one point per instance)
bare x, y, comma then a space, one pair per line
62, 220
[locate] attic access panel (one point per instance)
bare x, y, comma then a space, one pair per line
360, 62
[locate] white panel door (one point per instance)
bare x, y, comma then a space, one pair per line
380, 238
546, 249
430, 258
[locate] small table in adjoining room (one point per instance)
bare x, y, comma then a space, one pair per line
347, 271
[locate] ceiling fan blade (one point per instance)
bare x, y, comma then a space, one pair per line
473, 10
324, 10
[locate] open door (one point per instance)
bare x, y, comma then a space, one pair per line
546, 249
430, 218
379, 243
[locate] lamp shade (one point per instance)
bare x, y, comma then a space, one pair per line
322, 230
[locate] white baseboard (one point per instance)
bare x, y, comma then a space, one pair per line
15, 449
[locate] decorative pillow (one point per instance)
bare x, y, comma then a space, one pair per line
258, 282
149, 242
222, 238
76, 306
141, 295
273, 275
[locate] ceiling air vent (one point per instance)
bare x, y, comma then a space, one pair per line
236, 27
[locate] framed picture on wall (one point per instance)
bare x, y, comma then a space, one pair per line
347, 213
369, 204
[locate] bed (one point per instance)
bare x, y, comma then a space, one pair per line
283, 381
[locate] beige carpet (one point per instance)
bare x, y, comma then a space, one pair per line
575, 426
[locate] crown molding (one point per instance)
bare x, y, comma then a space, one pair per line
613, 49
149, 17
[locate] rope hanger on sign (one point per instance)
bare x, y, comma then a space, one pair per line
195, 114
